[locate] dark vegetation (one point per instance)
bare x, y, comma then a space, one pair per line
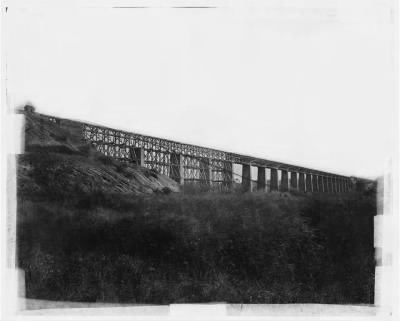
79, 239
234, 247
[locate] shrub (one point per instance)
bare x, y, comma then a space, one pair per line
51, 173
105, 160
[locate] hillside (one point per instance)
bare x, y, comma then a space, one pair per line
56, 154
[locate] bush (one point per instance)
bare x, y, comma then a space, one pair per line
51, 173
106, 160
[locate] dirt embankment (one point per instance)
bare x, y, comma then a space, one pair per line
57, 157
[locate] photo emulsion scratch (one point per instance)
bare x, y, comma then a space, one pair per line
204, 158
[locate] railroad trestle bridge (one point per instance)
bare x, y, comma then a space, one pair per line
186, 163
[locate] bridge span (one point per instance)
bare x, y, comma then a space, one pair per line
186, 163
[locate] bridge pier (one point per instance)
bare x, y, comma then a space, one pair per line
325, 182
137, 155
314, 183
205, 171
330, 184
176, 168
308, 183
293, 181
246, 177
274, 179
302, 187
227, 173
284, 181
320, 184
261, 178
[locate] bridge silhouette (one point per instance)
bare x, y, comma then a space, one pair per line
187, 163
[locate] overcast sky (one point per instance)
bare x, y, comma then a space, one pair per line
311, 85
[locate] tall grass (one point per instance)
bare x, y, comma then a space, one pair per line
248, 248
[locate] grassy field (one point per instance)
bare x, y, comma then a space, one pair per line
198, 247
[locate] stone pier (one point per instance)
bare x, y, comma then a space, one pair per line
227, 173
308, 182
205, 171
293, 181
284, 181
320, 184
246, 177
261, 178
274, 179
315, 183
325, 181
302, 187
176, 168
137, 155
330, 185
348, 186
